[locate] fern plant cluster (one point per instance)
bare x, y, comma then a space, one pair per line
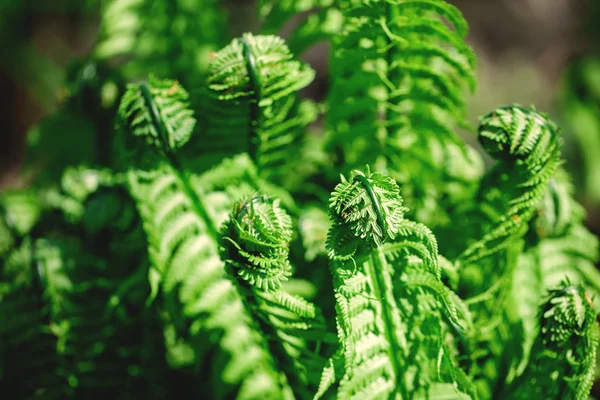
194, 226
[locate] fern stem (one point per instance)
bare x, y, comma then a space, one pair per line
374, 200
382, 290
253, 75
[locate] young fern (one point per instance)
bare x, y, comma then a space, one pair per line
390, 299
527, 147
253, 105
256, 247
200, 302
562, 364
558, 246
398, 73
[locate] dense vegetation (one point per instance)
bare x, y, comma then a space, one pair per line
195, 227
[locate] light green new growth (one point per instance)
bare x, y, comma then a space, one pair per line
390, 301
563, 357
398, 71
175, 242
253, 105
256, 247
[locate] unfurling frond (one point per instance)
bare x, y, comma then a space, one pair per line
563, 357
391, 303
527, 147
369, 204
158, 112
256, 246
253, 106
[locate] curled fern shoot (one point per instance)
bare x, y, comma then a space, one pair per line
527, 147
252, 91
158, 111
256, 247
399, 68
383, 266
562, 363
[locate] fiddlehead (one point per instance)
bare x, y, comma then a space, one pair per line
563, 357
557, 246
140, 34
253, 103
399, 71
158, 111
527, 147
322, 22
387, 283
256, 247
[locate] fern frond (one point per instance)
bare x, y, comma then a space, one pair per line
389, 296
527, 147
201, 303
253, 104
256, 247
558, 247
563, 357
396, 99
158, 111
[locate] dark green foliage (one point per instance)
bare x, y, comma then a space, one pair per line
175, 236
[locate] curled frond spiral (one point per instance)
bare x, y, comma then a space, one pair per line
261, 232
369, 204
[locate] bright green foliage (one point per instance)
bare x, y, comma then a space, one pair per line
398, 73
256, 247
182, 230
527, 147
390, 300
253, 103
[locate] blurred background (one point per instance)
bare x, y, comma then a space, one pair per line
540, 52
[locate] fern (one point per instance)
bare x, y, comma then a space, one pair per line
183, 246
164, 241
256, 247
253, 104
527, 146
389, 314
395, 100
563, 356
